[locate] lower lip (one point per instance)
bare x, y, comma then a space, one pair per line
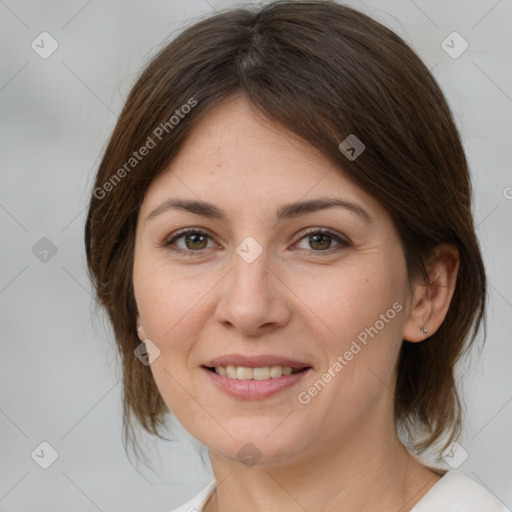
251, 389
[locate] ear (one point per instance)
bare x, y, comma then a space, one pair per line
430, 302
140, 329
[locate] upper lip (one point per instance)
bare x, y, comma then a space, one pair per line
255, 361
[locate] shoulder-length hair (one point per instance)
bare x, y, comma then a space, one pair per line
324, 71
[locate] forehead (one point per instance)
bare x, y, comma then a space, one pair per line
236, 156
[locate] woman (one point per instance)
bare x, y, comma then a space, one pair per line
283, 217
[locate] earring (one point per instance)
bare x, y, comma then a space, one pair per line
424, 330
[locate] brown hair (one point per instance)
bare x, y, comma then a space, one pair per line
325, 71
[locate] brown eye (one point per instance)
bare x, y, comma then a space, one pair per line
321, 240
191, 242
195, 241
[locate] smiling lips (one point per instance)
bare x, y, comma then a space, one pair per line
261, 367
254, 377
259, 373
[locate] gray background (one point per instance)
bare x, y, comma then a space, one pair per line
59, 379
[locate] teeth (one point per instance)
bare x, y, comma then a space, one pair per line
261, 373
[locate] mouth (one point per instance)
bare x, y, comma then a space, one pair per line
255, 373
256, 377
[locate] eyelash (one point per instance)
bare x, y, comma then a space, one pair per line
310, 231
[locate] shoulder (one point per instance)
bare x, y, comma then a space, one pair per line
455, 492
197, 502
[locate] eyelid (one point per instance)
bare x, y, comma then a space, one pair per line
169, 240
343, 242
325, 231
180, 232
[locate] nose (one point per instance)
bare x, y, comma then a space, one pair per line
253, 298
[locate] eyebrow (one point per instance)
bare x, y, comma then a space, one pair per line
287, 211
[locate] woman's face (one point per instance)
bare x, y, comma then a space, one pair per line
255, 285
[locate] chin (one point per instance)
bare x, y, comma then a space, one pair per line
264, 447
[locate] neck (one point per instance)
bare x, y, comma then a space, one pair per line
371, 471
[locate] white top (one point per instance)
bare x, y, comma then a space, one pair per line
454, 492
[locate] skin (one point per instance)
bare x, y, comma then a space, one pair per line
300, 298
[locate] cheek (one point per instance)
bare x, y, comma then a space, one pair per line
171, 306
166, 297
361, 315
166, 303
347, 300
